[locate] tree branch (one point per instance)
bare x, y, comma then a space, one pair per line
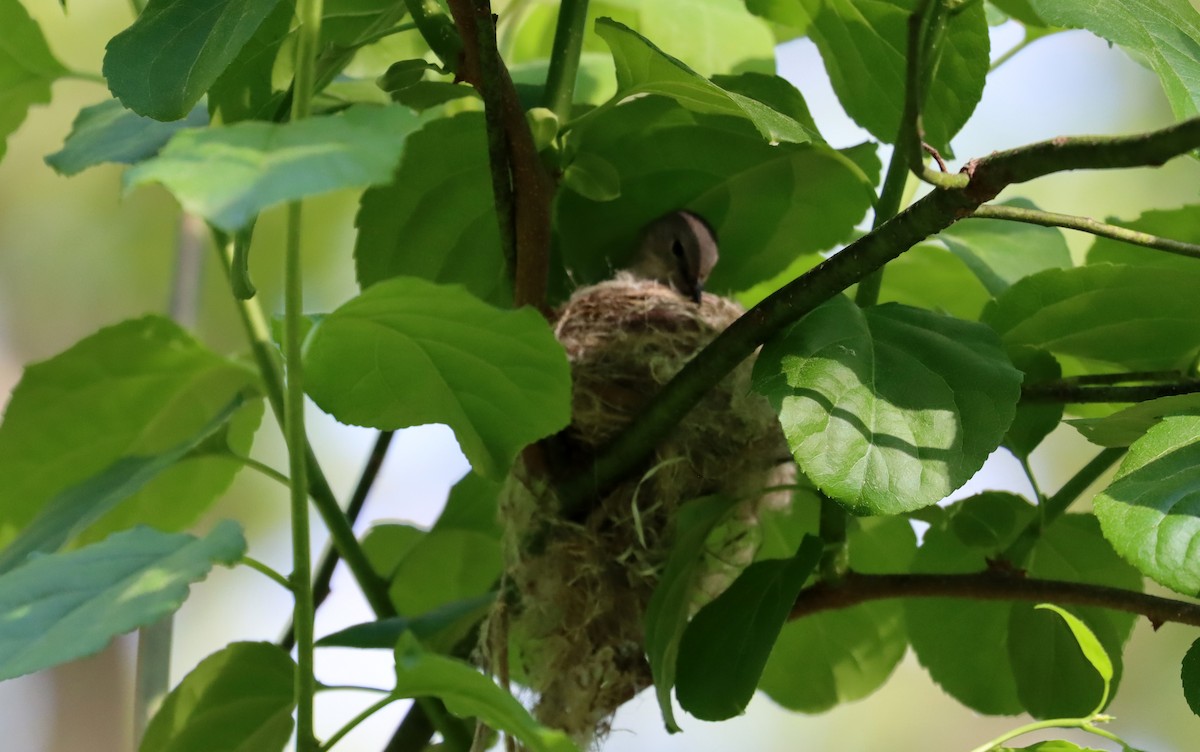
855, 588
1088, 225
980, 181
1067, 392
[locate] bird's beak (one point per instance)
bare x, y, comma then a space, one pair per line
697, 292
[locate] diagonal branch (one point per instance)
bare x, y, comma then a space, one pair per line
1073, 393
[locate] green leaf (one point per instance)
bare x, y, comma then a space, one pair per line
1020, 10
239, 699
671, 603
768, 203
1053, 745
864, 47
725, 647
1134, 316
643, 68
1088, 645
592, 177
839, 656
386, 545
27, 68
1126, 426
1038, 648
65, 606
76, 507
929, 276
402, 227
775, 92
1163, 35
176, 49
443, 567
472, 505
137, 389
408, 352
1150, 512
107, 132
1000, 252
244, 91
228, 175
889, 409
1181, 224
384, 633
469, 694
1033, 422
1190, 675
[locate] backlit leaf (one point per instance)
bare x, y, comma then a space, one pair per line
27, 68
107, 132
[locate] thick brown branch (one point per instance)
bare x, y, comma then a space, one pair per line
854, 589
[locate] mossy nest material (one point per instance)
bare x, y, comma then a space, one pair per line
583, 585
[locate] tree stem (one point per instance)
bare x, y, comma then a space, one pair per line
564, 58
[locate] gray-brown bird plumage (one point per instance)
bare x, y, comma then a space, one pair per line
678, 250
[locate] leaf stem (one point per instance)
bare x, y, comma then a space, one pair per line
353, 722
1080, 723
564, 57
270, 573
260, 467
1088, 225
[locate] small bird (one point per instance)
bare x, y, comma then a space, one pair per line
679, 250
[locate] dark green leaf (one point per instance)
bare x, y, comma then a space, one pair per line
888, 409
402, 227
408, 352
228, 175
162, 64
1021, 10
107, 132
244, 90
239, 699
929, 276
469, 694
1163, 35
27, 68
445, 566
385, 632
775, 92
136, 389
592, 177
1034, 422
403, 74
671, 604
386, 545
863, 46
64, 606
472, 505
1181, 224
1190, 674
425, 95
1138, 317
1150, 513
725, 647
1127, 426
1000, 252
1055, 678
642, 68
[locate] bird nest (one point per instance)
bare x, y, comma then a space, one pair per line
579, 586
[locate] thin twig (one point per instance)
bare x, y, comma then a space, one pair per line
1068, 393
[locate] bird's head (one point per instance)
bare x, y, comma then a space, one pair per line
679, 250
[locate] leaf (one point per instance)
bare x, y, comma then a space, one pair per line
76, 507
176, 49
239, 699
107, 132
643, 68
929, 276
244, 90
1190, 675
386, 546
228, 175
136, 389
1149, 513
671, 603
1088, 645
863, 45
889, 409
769, 204
1053, 745
1181, 224
445, 566
1126, 426
402, 227
469, 694
408, 352
1000, 252
27, 68
384, 633
1033, 422
65, 606
592, 177
775, 92
725, 647
472, 505
1134, 316
1163, 35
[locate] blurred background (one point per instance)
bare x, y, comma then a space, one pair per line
76, 255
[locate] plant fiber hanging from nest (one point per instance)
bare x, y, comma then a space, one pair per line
582, 586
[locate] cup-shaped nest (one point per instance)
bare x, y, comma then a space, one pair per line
582, 584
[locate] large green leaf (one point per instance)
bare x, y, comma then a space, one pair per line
407, 352
1083, 638
864, 47
162, 64
469, 694
228, 175
1033, 422
107, 132
1181, 224
1190, 674
402, 227
64, 606
643, 68
431, 625
27, 68
726, 645
238, 699
769, 204
1164, 35
1151, 512
1000, 252
244, 90
889, 409
1138, 317
472, 505
1126, 426
137, 389
929, 276
840, 656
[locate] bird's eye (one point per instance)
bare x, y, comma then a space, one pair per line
677, 248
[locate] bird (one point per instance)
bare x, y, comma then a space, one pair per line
679, 250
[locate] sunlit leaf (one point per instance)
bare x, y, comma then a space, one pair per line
27, 68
